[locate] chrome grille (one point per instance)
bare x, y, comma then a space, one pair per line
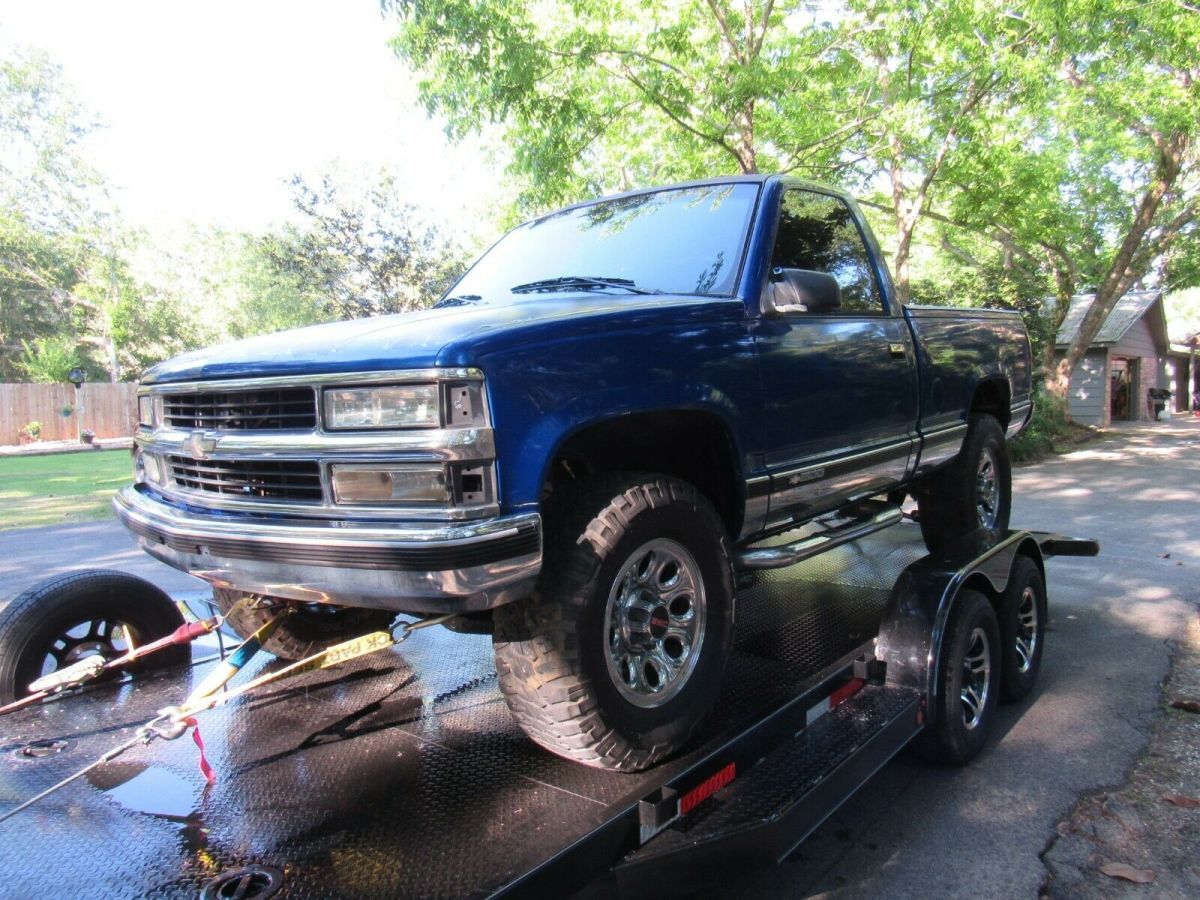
249, 479
270, 409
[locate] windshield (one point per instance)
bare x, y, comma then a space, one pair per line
678, 241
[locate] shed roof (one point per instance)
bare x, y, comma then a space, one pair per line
1129, 309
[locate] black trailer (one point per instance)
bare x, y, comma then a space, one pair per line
402, 774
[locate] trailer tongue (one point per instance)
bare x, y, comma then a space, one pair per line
402, 774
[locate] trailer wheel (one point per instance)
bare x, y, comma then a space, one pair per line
618, 654
974, 491
311, 627
68, 617
968, 683
1022, 629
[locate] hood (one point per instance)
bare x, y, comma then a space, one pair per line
411, 340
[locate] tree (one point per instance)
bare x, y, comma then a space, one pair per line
48, 360
48, 199
1098, 180
361, 249
1139, 96
598, 95
892, 93
38, 273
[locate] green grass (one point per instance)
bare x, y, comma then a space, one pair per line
60, 487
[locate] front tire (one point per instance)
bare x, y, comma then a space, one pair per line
618, 654
974, 491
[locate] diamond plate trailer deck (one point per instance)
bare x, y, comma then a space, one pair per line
403, 775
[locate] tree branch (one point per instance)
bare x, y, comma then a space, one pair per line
723, 23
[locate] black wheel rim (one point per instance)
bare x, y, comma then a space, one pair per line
101, 636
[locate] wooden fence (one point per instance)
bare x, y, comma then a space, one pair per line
110, 410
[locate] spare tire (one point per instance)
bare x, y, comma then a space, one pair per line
68, 617
308, 629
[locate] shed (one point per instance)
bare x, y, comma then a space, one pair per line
1129, 356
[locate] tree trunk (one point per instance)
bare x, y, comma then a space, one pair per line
1121, 273
745, 144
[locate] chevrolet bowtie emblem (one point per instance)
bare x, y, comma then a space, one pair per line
201, 444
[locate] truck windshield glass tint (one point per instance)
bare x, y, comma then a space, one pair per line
817, 232
681, 241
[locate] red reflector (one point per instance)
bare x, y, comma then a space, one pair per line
846, 691
706, 789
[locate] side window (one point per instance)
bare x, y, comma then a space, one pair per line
818, 232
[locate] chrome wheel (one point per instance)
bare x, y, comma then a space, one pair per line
1027, 630
654, 622
976, 678
987, 489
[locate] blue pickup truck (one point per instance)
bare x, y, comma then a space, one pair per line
623, 404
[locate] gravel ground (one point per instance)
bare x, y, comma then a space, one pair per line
1140, 840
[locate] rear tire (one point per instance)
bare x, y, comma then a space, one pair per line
968, 683
618, 654
974, 491
308, 629
60, 621
1022, 629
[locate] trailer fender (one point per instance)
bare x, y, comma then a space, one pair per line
914, 622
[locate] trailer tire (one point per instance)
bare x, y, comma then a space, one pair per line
618, 654
1022, 629
307, 630
44, 623
974, 491
968, 682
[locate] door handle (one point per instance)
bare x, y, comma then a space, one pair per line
897, 350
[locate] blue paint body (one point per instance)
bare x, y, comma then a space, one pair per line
789, 391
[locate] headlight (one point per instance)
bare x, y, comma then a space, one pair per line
149, 410
393, 406
389, 484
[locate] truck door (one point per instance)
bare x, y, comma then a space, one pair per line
839, 385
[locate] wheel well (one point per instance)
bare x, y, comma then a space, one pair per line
992, 397
693, 446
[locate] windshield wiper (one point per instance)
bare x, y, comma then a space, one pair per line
568, 282
460, 300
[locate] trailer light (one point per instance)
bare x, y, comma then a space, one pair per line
389, 484
391, 406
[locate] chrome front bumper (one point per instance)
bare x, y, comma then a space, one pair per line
406, 567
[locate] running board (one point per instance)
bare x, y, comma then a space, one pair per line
877, 517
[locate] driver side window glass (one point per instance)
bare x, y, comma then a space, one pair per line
817, 232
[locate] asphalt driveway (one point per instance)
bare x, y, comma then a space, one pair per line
921, 831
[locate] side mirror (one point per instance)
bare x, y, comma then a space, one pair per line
801, 290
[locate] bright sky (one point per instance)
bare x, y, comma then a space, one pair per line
208, 107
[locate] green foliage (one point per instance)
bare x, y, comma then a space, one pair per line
1049, 425
271, 298
48, 360
605, 95
1063, 133
362, 250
